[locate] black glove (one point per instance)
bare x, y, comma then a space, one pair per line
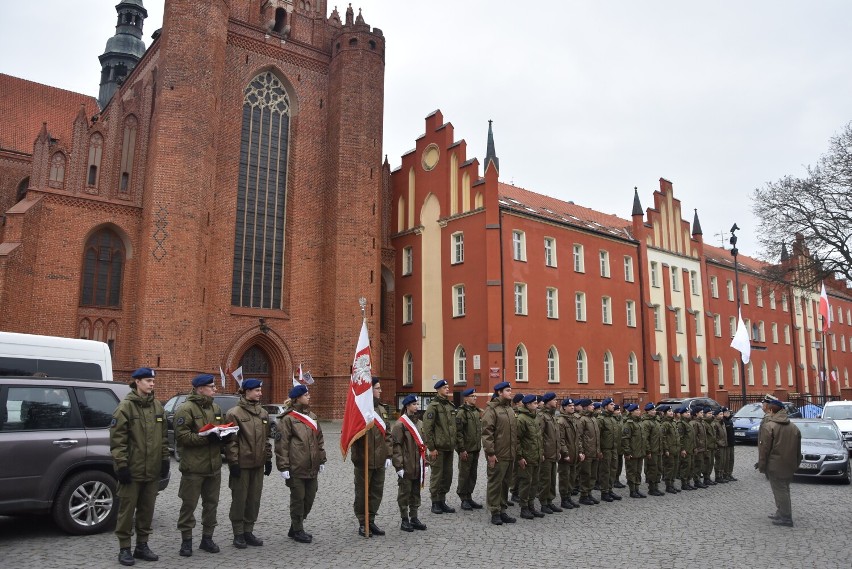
164, 468
267, 468
235, 470
124, 475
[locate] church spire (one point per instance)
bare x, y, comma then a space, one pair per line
123, 50
785, 256
637, 206
490, 153
696, 226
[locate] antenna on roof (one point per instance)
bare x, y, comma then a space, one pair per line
721, 235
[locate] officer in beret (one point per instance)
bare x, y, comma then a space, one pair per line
651, 430
546, 420
516, 404
410, 462
468, 446
687, 448
249, 457
380, 448
439, 434
610, 438
670, 447
729, 451
589, 435
700, 431
634, 449
530, 455
618, 413
569, 455
300, 457
200, 464
500, 445
140, 454
721, 446
710, 448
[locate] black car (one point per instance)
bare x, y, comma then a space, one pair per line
225, 402
690, 403
824, 453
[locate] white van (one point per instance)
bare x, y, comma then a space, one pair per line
29, 354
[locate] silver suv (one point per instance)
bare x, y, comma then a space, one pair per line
54, 448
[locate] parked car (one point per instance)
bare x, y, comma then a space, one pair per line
225, 402
274, 410
824, 454
747, 421
841, 413
690, 402
54, 450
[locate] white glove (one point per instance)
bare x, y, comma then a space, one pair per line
322, 467
428, 470
285, 475
388, 463
400, 473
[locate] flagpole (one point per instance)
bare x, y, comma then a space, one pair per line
735, 252
363, 303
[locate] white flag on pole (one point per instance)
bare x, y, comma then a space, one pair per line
741, 340
222, 375
238, 376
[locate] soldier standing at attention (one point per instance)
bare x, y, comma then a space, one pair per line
721, 446
249, 456
410, 463
439, 434
380, 450
651, 429
729, 451
670, 447
140, 453
710, 449
516, 404
500, 445
200, 464
779, 454
633, 448
468, 445
610, 440
529, 456
619, 416
546, 419
697, 425
569, 456
687, 448
589, 437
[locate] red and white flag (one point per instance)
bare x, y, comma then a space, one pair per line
824, 309
238, 376
358, 413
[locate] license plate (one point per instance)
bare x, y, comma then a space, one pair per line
808, 466
739, 434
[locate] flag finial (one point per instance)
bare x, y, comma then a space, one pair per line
363, 303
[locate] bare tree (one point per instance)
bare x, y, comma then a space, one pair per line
817, 206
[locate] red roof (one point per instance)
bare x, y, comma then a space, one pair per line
25, 105
724, 257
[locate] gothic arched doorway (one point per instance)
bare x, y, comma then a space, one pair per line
255, 363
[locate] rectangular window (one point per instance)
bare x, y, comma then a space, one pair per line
787, 335
717, 325
457, 253
772, 299
732, 323
697, 323
628, 268
37, 408
675, 279
407, 261
606, 310
604, 256
520, 298
744, 297
579, 262
758, 296
550, 251
458, 301
774, 333
407, 309
784, 306
714, 287
678, 323
519, 246
729, 285
655, 275
658, 321
693, 282
580, 304
631, 314
552, 296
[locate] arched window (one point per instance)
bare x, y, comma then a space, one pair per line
103, 266
261, 195
98, 334
460, 367
521, 363
85, 329
607, 365
57, 171
128, 147
22, 189
407, 369
552, 365
631, 369
735, 373
582, 371
777, 374
764, 374
96, 145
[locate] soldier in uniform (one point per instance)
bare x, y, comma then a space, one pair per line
619, 416
500, 445
670, 447
729, 451
410, 463
249, 456
380, 448
651, 429
439, 434
140, 454
610, 440
200, 464
516, 403
568, 454
300, 457
633, 447
546, 419
589, 437
698, 428
721, 446
468, 445
687, 448
530, 454
710, 449
779, 455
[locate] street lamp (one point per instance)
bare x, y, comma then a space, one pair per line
734, 253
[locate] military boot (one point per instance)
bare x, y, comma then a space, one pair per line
545, 509
554, 507
474, 504
406, 525
567, 504
640, 494
573, 503
436, 508
654, 491
376, 530
496, 520
606, 497
125, 558
536, 513
302, 536
614, 496
240, 541
526, 513
670, 489
633, 492
186, 547
708, 482
417, 524
207, 544
144, 552
507, 519
465, 505
447, 508
253, 540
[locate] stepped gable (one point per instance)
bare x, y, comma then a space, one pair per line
25, 105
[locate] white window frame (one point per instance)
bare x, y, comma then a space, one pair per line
714, 286
550, 252
582, 366
521, 364
604, 261
552, 301
628, 269
658, 319
693, 283
459, 306
607, 368
407, 261
519, 245
729, 286
457, 248
407, 309
460, 365
717, 325
552, 365
606, 310
579, 258
632, 376
407, 369
520, 299
580, 306
675, 279
631, 313
655, 276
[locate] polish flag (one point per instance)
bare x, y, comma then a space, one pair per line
824, 309
358, 413
238, 376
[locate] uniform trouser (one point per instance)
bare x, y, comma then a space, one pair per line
685, 467
697, 464
138, 498
669, 468
721, 457
619, 468
528, 483
245, 499
709, 460
563, 469
441, 479
606, 469
587, 476
513, 477
781, 492
499, 479
729, 462
574, 475
467, 475
633, 468
408, 497
547, 482
193, 486
302, 494
376, 487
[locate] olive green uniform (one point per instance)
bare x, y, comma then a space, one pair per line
670, 451
569, 456
651, 430
439, 433
500, 440
407, 457
721, 449
710, 449
687, 451
700, 446
468, 440
379, 448
138, 442
300, 449
530, 449
200, 463
634, 449
249, 449
546, 420
588, 433
610, 440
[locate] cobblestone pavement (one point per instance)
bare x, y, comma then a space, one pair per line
724, 526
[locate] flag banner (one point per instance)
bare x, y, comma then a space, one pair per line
834, 375
824, 309
222, 375
741, 340
238, 376
358, 413
304, 378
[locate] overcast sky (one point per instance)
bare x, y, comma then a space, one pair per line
589, 98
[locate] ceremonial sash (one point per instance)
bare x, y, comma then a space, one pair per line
380, 424
305, 419
420, 446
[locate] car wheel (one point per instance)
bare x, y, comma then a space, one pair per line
848, 478
86, 503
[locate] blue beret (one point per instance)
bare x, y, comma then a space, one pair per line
251, 383
696, 410
617, 406
567, 401
606, 401
549, 396
649, 405
501, 386
632, 407
663, 408
529, 399
725, 409
409, 399
203, 379
518, 398
468, 392
584, 402
775, 402
717, 411
440, 383
685, 410
596, 405
297, 392
707, 409
142, 373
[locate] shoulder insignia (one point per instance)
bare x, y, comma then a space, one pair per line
626, 430
430, 415
277, 435
181, 420
113, 422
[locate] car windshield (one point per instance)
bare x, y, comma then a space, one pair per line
837, 412
750, 411
826, 432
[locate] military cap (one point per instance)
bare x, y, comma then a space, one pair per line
596, 405
680, 410
529, 399
617, 406
649, 405
501, 386
143, 373
663, 408
409, 399
685, 410
440, 383
776, 403
251, 384
707, 409
584, 402
202, 380
518, 398
632, 407
297, 391
717, 411
606, 401
768, 397
567, 401
468, 392
725, 409
549, 396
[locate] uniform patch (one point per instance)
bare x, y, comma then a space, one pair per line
113, 422
430, 415
264, 421
278, 435
181, 420
218, 417
626, 430
159, 419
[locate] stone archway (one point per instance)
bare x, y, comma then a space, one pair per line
263, 351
